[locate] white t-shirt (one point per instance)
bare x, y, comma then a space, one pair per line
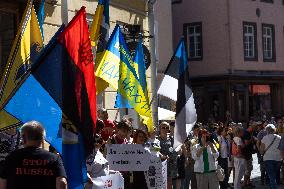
272, 153
238, 141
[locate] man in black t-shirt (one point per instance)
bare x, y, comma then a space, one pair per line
247, 153
33, 167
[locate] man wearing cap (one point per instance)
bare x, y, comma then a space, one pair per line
33, 167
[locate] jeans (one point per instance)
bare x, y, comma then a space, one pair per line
272, 167
223, 162
239, 164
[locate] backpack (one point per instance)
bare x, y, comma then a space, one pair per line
234, 149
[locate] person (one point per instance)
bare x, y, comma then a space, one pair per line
281, 148
224, 150
153, 141
9, 141
248, 150
99, 126
121, 134
271, 155
97, 165
166, 143
32, 167
231, 168
120, 137
139, 181
109, 126
190, 176
205, 155
239, 161
260, 135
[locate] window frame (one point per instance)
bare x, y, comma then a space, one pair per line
255, 58
185, 33
273, 53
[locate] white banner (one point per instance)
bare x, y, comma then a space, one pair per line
113, 181
156, 176
128, 157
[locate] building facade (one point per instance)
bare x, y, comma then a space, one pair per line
236, 59
124, 12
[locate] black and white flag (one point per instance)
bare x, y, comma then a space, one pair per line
175, 86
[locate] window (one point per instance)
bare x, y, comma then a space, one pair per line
267, 1
193, 33
268, 42
250, 41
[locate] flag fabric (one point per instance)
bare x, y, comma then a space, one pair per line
116, 68
140, 68
40, 16
185, 107
121, 102
99, 32
25, 50
79, 99
60, 93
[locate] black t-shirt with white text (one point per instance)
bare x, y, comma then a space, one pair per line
32, 168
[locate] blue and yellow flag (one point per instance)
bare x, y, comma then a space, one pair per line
99, 34
140, 69
26, 47
116, 68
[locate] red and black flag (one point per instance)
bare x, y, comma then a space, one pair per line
60, 93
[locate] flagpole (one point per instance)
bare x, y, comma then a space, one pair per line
151, 22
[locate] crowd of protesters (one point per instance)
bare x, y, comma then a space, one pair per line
229, 145
194, 165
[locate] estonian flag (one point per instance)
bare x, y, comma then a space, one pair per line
177, 78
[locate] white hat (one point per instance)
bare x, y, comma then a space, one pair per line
271, 126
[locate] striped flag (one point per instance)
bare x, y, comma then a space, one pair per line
60, 92
177, 77
25, 50
99, 34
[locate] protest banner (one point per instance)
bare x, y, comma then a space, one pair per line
113, 181
156, 176
128, 157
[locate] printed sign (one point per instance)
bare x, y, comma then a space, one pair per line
114, 181
156, 176
128, 157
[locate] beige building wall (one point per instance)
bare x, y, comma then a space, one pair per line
222, 33
213, 16
127, 11
244, 10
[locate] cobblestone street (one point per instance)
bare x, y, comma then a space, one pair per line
256, 176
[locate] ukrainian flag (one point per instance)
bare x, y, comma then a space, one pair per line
99, 33
26, 48
116, 68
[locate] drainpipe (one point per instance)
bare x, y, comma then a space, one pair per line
231, 69
64, 12
151, 22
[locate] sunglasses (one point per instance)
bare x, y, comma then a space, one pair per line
165, 128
